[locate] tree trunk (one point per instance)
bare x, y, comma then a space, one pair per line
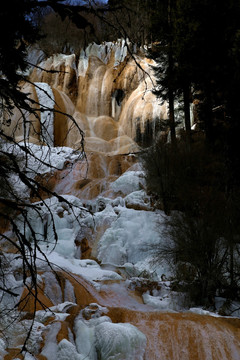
231, 265
187, 112
170, 78
207, 116
172, 117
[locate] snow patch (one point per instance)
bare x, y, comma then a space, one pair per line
36, 160
90, 271
138, 199
2, 348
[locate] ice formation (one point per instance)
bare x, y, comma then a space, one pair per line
98, 338
120, 341
37, 160
103, 53
54, 224
129, 240
129, 182
46, 101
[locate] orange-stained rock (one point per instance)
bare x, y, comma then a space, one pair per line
15, 126
63, 104
119, 164
98, 145
105, 128
123, 145
97, 166
95, 188
63, 332
83, 290
4, 223
64, 77
86, 179
172, 336
28, 301
13, 353
137, 206
85, 249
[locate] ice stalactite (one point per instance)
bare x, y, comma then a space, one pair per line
46, 102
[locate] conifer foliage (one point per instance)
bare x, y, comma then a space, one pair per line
198, 175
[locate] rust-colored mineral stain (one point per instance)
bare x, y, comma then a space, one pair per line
29, 304
12, 354
63, 332
184, 336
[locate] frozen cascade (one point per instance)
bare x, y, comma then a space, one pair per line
127, 240
170, 335
114, 303
142, 329
99, 92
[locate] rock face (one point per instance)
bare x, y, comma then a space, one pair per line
106, 91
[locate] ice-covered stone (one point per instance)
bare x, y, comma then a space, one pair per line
66, 351
97, 337
129, 182
159, 303
120, 341
138, 200
50, 348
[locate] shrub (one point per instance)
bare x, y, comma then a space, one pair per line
202, 233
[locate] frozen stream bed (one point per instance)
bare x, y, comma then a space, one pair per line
115, 305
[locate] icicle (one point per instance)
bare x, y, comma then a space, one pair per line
46, 101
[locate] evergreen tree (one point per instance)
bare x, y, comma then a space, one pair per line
205, 49
163, 53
